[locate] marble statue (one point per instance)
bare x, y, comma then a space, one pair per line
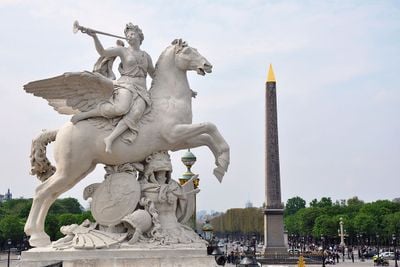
130, 130
157, 219
130, 98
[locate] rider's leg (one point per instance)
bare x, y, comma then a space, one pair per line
118, 105
130, 121
119, 129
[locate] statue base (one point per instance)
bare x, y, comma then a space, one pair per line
120, 257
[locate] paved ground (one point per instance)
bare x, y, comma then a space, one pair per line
347, 263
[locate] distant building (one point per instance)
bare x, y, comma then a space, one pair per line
249, 204
7, 196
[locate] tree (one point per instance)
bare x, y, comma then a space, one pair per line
246, 221
18, 207
294, 204
354, 201
365, 224
307, 219
292, 224
325, 202
12, 227
392, 224
52, 227
66, 205
324, 225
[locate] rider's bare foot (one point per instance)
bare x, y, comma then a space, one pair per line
108, 143
78, 117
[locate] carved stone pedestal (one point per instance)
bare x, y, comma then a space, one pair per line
122, 257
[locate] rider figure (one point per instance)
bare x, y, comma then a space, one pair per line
130, 98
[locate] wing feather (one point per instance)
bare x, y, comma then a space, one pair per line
72, 91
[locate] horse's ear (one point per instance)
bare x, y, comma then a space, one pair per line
177, 42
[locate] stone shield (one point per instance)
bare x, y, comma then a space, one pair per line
116, 197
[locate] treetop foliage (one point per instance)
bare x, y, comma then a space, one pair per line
321, 217
14, 213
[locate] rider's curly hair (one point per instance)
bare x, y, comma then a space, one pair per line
135, 28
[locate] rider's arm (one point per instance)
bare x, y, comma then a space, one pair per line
109, 52
150, 67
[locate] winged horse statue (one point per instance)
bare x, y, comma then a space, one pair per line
79, 147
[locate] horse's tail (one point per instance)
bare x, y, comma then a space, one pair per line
40, 164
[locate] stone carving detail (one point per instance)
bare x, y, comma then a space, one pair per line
85, 236
156, 220
165, 125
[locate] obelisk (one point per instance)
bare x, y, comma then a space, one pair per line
273, 213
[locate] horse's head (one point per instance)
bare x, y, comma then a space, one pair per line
188, 58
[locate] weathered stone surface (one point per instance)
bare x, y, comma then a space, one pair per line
122, 257
273, 218
116, 123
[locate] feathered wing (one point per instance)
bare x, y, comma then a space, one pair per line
72, 91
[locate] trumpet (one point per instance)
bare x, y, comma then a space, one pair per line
76, 27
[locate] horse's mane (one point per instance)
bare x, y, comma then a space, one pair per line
157, 69
155, 109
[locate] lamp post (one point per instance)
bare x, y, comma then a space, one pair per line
9, 250
342, 244
342, 234
254, 239
219, 256
394, 238
292, 242
189, 159
377, 243
362, 247
208, 235
323, 250
249, 260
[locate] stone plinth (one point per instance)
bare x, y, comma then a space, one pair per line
122, 257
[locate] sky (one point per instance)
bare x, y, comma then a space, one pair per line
338, 89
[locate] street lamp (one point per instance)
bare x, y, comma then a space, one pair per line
248, 260
323, 250
219, 256
9, 250
395, 249
253, 239
342, 233
362, 247
377, 243
292, 242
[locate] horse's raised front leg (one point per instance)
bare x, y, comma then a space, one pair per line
193, 135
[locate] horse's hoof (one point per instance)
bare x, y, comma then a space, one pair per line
219, 173
223, 163
39, 240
